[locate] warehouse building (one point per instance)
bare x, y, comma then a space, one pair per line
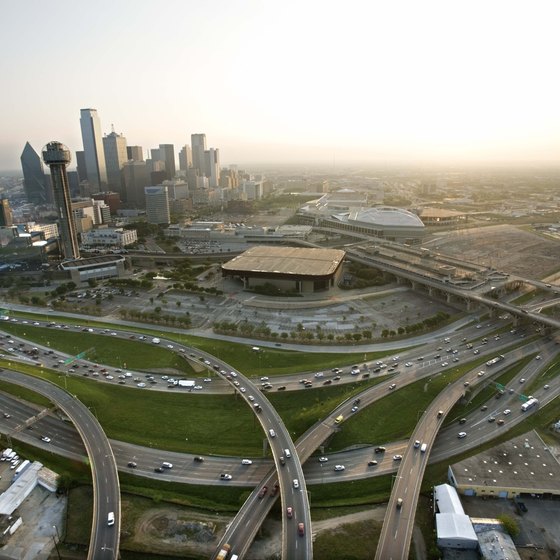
290, 269
523, 466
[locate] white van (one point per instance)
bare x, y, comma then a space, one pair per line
110, 518
423, 448
287, 453
156, 340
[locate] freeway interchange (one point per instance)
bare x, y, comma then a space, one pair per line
244, 527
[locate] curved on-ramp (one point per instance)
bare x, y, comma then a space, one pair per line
104, 540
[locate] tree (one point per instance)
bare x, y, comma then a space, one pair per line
510, 524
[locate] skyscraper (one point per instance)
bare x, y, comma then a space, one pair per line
157, 205
37, 189
167, 154
6, 216
134, 153
93, 148
135, 179
198, 144
57, 157
81, 165
212, 160
185, 158
114, 146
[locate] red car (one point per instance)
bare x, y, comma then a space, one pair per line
289, 512
301, 529
263, 492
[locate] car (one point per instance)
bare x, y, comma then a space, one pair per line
338, 468
444, 364
397, 457
275, 489
170, 346
507, 411
522, 507
417, 444
246, 462
500, 422
242, 389
6, 415
408, 364
483, 408
336, 378
466, 383
480, 373
46, 439
289, 512
546, 386
281, 388
198, 459
206, 380
167, 465
392, 386
159, 470
538, 358
236, 383
301, 529
327, 382
491, 419
262, 492
141, 385
455, 359
319, 374
282, 460
379, 449
225, 476
323, 459
399, 503
355, 409
461, 435
132, 464
440, 413
522, 380
251, 398
462, 421
372, 463
272, 433
476, 352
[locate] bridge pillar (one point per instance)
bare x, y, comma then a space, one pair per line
449, 298
431, 291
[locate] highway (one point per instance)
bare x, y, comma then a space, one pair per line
258, 508
104, 539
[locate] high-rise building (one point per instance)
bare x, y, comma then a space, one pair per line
93, 148
81, 165
57, 157
134, 153
212, 160
198, 144
114, 146
37, 189
136, 178
111, 199
6, 215
167, 154
157, 205
185, 158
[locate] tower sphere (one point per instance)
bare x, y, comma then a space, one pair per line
56, 153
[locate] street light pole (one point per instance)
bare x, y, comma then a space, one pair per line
55, 542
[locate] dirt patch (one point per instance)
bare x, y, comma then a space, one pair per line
503, 247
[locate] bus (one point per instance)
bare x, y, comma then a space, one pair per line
529, 404
495, 360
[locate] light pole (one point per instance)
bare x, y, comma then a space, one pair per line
55, 541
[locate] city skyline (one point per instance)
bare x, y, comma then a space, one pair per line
298, 83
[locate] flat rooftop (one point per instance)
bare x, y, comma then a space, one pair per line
287, 260
523, 463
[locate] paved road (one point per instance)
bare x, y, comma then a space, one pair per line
104, 540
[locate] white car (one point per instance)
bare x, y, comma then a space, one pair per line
480, 373
262, 378
323, 459
46, 439
272, 432
392, 386
242, 389
251, 398
354, 409
461, 435
207, 380
246, 462
538, 358
444, 364
522, 380
198, 387
319, 374
507, 411
408, 364
170, 346
339, 467
141, 385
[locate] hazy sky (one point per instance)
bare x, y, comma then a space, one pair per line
291, 81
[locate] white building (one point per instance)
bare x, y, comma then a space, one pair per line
109, 237
454, 527
157, 205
